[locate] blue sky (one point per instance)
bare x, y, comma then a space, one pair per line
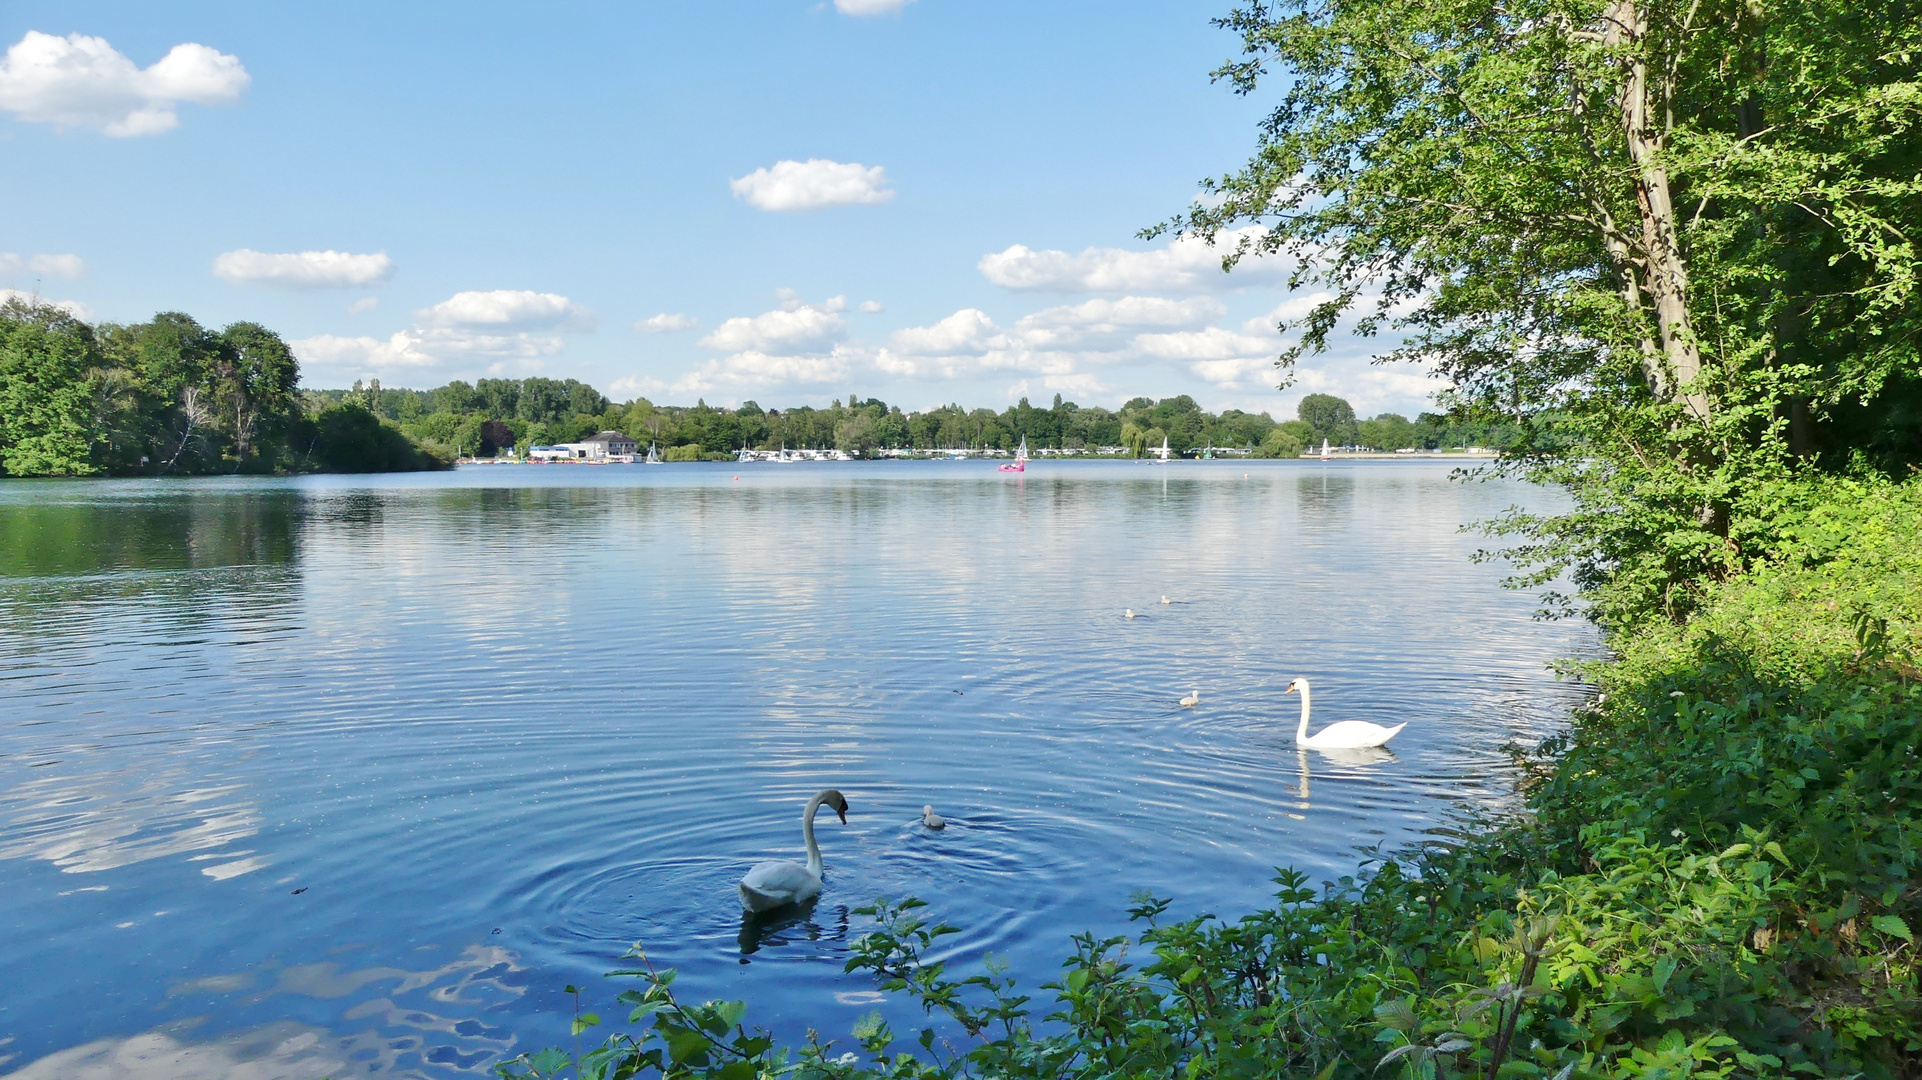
926, 201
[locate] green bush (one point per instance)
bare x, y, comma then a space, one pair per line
1279, 444
1714, 876
689, 452
349, 439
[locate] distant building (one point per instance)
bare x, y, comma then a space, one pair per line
607, 446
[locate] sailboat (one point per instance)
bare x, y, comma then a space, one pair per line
653, 455
745, 455
1324, 449
1163, 452
1020, 462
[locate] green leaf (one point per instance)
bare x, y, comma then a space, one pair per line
1893, 927
585, 1021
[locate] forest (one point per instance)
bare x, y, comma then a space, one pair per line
491, 416
170, 397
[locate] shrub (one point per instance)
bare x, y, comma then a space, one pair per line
349, 439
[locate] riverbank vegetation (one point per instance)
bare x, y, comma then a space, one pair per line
1673, 245
170, 397
495, 416
1714, 875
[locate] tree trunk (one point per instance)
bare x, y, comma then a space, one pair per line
1666, 273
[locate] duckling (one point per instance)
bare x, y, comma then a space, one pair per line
931, 819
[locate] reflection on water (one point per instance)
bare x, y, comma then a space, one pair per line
352, 775
791, 926
422, 1022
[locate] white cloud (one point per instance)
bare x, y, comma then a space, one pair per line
507, 308
80, 81
304, 269
1295, 307
871, 307
72, 307
870, 7
665, 323
1109, 324
753, 370
794, 329
495, 331
1084, 383
968, 332
1370, 388
812, 185
60, 266
329, 351
365, 303
1184, 265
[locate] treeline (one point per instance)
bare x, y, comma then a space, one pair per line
170, 397
493, 416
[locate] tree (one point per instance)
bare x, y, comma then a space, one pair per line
254, 384
857, 435
1683, 230
1328, 417
1389, 431
1280, 443
45, 400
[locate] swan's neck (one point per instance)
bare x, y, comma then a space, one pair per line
807, 833
1301, 733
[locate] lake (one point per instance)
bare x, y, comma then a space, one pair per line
338, 776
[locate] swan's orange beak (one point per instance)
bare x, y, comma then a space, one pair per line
1290, 690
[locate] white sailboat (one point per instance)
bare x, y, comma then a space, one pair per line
1324, 449
1163, 452
653, 455
1020, 463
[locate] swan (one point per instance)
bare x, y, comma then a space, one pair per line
931, 819
779, 882
1127, 613
1193, 699
1165, 600
1346, 735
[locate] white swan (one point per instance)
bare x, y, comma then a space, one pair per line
1193, 699
1165, 600
931, 819
1127, 613
778, 882
1346, 735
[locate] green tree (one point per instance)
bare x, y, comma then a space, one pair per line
1328, 417
254, 380
1280, 443
1683, 230
45, 399
857, 435
1389, 431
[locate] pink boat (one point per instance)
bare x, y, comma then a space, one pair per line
1020, 463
